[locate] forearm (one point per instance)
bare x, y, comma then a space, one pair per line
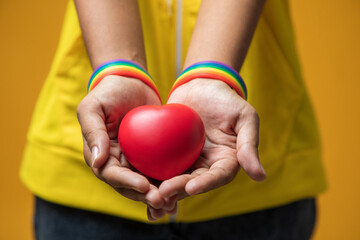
111, 29
223, 31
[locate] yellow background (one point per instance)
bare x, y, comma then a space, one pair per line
328, 35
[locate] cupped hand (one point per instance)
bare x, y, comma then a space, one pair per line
232, 138
99, 115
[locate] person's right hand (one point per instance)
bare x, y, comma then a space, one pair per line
99, 115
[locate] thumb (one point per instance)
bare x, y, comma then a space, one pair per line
96, 138
247, 129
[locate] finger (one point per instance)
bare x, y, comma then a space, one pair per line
150, 217
220, 173
131, 194
170, 203
155, 214
153, 198
175, 185
117, 176
86, 152
120, 177
174, 210
247, 129
129, 183
91, 119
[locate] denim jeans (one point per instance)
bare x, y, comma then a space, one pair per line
289, 222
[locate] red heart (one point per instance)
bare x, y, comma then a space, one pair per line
162, 141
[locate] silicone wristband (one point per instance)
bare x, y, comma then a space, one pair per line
124, 68
212, 70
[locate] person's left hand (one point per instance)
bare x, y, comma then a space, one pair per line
232, 130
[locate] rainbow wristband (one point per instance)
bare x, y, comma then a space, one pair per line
124, 68
212, 70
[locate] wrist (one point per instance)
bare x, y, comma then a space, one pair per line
121, 67
123, 91
212, 70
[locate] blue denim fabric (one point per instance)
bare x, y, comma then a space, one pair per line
294, 221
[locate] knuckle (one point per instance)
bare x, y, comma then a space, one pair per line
88, 134
92, 134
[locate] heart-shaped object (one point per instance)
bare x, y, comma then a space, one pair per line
162, 141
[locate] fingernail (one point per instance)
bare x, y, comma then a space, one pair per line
94, 154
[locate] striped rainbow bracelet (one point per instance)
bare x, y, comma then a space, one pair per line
121, 67
212, 70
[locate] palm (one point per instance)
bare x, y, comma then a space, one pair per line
215, 153
220, 145
100, 114
225, 116
116, 102
118, 99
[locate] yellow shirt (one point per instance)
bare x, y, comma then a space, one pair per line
53, 166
